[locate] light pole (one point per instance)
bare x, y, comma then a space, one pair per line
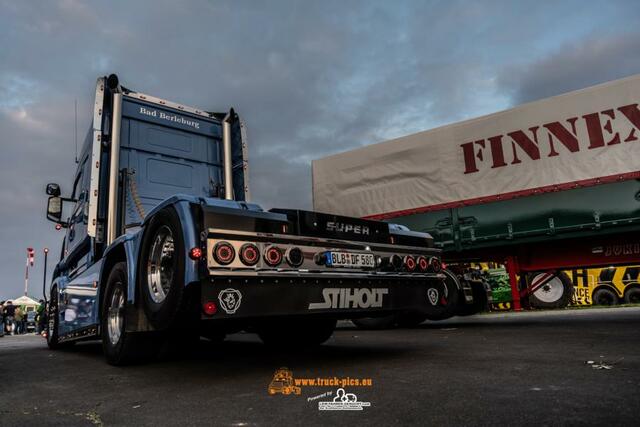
30, 257
44, 276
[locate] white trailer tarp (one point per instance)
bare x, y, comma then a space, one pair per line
581, 138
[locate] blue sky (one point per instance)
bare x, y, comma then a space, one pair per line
310, 79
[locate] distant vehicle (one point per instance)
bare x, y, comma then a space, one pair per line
31, 321
163, 245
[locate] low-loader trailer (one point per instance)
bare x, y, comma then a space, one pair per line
163, 244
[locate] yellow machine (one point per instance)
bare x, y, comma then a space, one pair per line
606, 286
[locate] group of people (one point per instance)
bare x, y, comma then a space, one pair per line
14, 319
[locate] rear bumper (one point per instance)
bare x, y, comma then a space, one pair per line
339, 297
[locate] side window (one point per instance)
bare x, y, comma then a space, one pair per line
606, 275
631, 275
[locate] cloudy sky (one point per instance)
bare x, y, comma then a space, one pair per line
310, 78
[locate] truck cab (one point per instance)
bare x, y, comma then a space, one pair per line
162, 241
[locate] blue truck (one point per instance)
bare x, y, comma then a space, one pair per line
162, 244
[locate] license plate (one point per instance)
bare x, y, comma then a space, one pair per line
348, 259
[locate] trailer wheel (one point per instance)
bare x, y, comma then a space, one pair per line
555, 293
604, 296
120, 346
480, 300
296, 333
632, 296
161, 269
448, 304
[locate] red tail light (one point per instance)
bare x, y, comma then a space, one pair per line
409, 263
423, 264
209, 308
195, 253
249, 254
224, 253
435, 264
273, 256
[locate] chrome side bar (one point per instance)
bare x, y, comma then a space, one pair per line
226, 149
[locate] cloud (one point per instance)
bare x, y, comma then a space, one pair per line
576, 65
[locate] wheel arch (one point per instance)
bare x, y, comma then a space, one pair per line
122, 250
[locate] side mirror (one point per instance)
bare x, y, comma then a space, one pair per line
53, 190
54, 210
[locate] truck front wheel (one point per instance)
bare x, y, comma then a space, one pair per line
120, 346
161, 269
296, 333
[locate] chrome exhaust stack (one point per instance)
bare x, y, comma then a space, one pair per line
114, 156
226, 150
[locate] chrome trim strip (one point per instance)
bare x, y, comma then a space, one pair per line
324, 241
92, 221
114, 165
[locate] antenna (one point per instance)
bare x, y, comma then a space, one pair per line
75, 129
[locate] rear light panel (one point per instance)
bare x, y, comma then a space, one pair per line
245, 255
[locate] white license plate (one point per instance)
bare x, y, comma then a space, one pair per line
348, 259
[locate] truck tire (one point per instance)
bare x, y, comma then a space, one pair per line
480, 301
52, 325
556, 293
605, 296
120, 346
296, 333
375, 323
632, 296
161, 269
451, 294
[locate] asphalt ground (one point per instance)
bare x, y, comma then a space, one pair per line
497, 369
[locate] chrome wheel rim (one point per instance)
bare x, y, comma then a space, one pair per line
160, 264
551, 291
115, 320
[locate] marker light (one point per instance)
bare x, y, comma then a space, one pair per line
273, 256
223, 253
195, 253
209, 308
249, 254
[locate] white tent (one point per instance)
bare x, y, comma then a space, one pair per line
26, 301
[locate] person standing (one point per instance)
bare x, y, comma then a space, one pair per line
9, 311
40, 318
2, 318
17, 320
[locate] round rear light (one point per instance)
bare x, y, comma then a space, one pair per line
209, 308
224, 253
423, 264
249, 254
435, 264
396, 262
409, 263
294, 257
273, 256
